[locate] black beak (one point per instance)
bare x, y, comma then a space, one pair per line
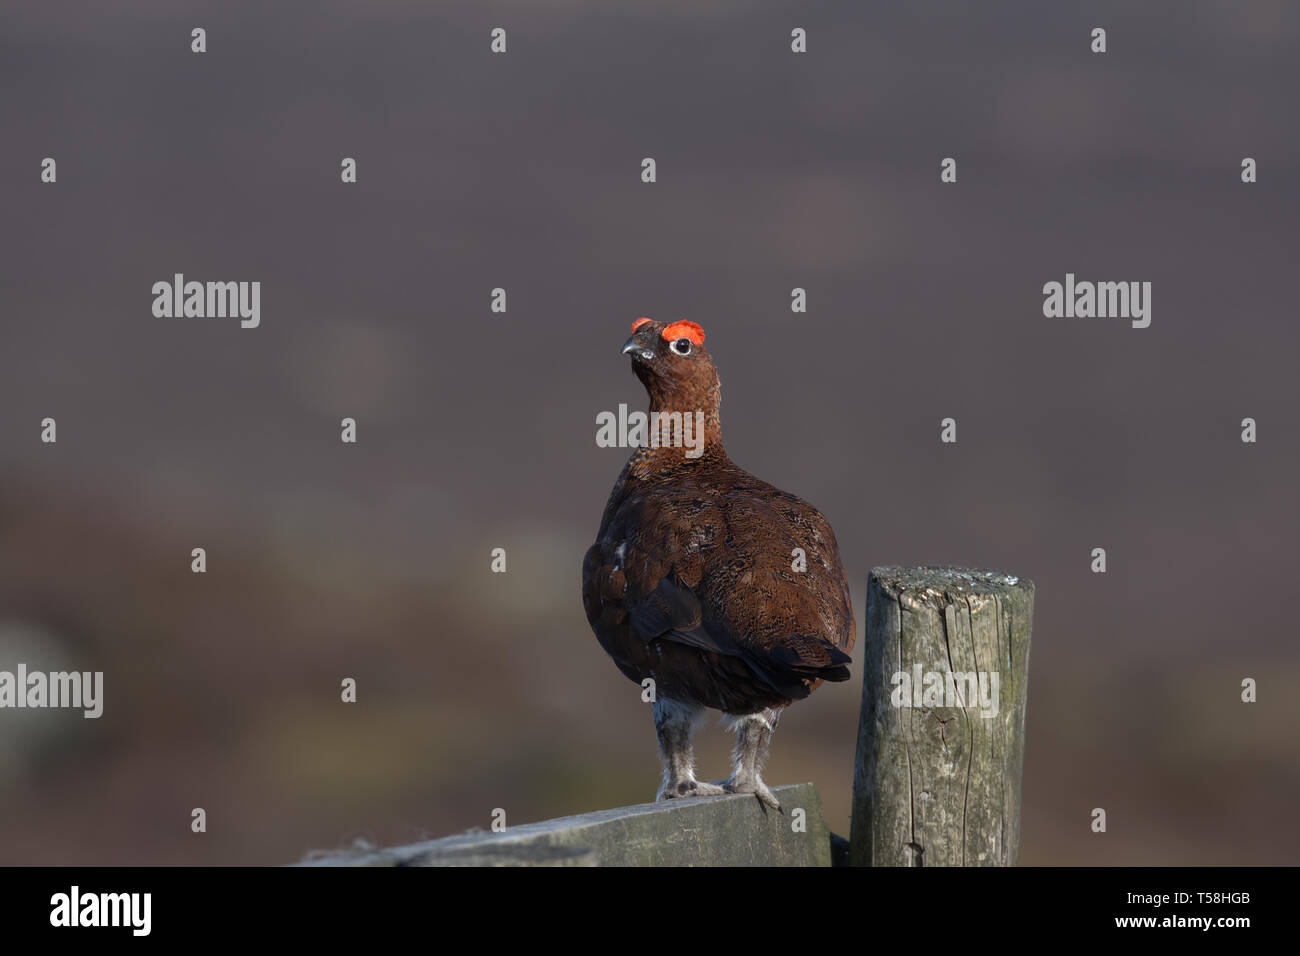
637, 350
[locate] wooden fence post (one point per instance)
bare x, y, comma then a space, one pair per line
937, 776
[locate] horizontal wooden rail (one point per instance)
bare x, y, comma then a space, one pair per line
705, 831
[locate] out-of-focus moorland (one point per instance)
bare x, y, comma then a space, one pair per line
476, 430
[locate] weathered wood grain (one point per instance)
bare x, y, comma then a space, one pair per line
706, 831
939, 784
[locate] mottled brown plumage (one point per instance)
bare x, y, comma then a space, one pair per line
692, 581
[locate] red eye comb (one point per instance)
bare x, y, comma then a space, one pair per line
638, 323
684, 330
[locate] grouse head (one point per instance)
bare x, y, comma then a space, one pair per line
676, 369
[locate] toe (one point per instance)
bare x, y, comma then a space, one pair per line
698, 789
757, 788
688, 788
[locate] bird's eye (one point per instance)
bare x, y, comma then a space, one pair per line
682, 346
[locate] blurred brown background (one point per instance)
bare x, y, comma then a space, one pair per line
476, 430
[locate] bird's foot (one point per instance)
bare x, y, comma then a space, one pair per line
674, 789
755, 786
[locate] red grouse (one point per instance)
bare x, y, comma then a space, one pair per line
725, 591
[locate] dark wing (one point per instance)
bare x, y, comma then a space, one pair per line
672, 612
